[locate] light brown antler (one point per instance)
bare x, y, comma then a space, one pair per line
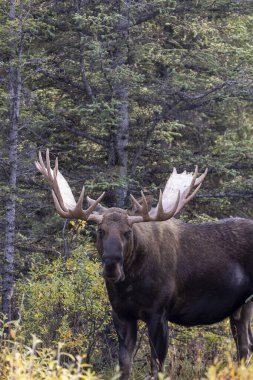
185, 183
64, 200
155, 214
175, 196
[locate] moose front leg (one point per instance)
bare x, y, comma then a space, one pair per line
127, 334
158, 338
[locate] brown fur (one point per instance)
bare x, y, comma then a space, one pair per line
187, 274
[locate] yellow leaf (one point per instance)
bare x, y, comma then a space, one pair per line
13, 334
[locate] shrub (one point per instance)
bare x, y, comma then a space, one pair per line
33, 363
229, 371
65, 300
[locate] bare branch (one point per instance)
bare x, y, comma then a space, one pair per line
228, 83
88, 136
139, 20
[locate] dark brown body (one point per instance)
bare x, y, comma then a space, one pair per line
158, 269
172, 271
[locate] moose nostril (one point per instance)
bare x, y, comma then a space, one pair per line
110, 266
111, 261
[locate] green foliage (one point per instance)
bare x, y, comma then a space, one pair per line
65, 301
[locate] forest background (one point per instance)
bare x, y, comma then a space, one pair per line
121, 91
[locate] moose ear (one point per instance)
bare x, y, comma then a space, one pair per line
99, 210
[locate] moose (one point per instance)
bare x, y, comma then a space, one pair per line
159, 269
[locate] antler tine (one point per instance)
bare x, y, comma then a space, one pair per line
61, 212
80, 199
40, 165
51, 176
137, 204
89, 211
78, 211
198, 182
143, 209
160, 210
49, 170
54, 183
145, 212
194, 182
202, 177
193, 194
55, 167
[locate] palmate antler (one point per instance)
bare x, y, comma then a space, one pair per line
176, 194
64, 201
185, 183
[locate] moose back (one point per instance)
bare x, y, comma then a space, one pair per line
159, 269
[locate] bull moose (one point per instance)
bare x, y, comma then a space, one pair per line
159, 269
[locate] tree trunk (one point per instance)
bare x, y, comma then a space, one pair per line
121, 146
121, 93
14, 109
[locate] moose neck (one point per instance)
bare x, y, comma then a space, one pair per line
146, 235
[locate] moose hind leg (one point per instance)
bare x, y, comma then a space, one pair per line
250, 311
127, 335
158, 338
240, 327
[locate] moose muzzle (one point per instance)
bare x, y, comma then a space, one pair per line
113, 270
112, 260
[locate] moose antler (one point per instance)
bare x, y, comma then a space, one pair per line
185, 183
64, 200
155, 214
175, 196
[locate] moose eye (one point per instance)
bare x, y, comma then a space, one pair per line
127, 234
